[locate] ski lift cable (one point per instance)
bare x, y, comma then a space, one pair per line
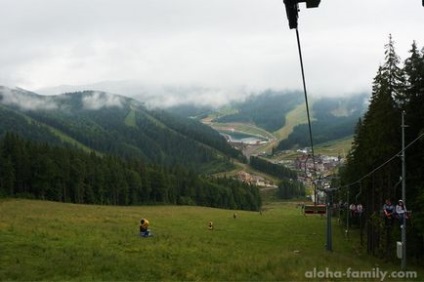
292, 11
382, 165
306, 99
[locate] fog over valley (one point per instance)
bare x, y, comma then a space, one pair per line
164, 52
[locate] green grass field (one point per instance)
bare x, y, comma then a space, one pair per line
54, 241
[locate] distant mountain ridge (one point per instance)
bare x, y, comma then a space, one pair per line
332, 118
158, 95
113, 124
109, 123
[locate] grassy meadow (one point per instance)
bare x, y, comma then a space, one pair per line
42, 240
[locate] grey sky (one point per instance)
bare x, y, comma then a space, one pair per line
217, 43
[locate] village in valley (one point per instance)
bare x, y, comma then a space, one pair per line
311, 171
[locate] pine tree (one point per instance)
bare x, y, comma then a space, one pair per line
414, 91
414, 116
377, 140
393, 73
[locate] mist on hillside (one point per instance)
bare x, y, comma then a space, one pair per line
160, 96
14, 97
26, 100
98, 100
165, 96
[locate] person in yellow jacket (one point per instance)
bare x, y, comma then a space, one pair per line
144, 228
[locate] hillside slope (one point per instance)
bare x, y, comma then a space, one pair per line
89, 242
282, 114
107, 123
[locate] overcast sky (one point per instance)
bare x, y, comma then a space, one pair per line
216, 43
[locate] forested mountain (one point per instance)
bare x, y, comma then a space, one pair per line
117, 125
267, 110
191, 110
332, 117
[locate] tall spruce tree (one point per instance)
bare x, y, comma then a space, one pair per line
414, 116
394, 73
377, 139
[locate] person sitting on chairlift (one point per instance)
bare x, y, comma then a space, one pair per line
388, 210
401, 212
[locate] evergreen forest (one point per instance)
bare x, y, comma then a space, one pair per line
42, 171
288, 186
387, 139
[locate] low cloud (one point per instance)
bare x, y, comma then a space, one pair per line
214, 45
98, 100
31, 101
26, 100
168, 96
156, 95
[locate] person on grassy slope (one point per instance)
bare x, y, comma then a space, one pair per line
144, 228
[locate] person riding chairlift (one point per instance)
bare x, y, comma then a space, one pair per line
388, 210
401, 213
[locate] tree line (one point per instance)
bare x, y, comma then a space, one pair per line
374, 163
288, 187
270, 168
42, 171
